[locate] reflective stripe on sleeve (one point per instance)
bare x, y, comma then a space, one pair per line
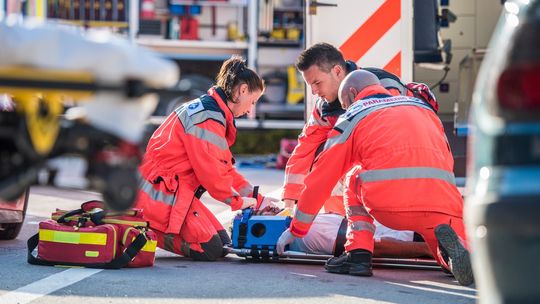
155, 194
407, 173
246, 190
228, 200
295, 179
361, 226
305, 218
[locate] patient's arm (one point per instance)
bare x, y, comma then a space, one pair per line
392, 248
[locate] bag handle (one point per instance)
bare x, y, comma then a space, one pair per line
95, 217
119, 262
62, 219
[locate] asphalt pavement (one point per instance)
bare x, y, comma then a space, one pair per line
175, 279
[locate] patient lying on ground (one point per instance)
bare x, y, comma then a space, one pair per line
327, 236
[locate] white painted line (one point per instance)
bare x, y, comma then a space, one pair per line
38, 289
304, 275
432, 290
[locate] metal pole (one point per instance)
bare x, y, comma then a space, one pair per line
133, 20
252, 33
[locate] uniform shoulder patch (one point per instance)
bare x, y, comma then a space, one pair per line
194, 107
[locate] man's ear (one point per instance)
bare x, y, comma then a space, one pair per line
338, 69
354, 92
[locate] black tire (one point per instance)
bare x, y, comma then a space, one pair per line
193, 86
11, 230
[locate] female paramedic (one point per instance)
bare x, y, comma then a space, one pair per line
188, 155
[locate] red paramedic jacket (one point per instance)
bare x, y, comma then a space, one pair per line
407, 163
188, 153
322, 120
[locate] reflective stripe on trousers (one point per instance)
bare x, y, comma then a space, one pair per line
361, 226
356, 211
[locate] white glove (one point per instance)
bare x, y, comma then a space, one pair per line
269, 202
268, 207
248, 202
285, 239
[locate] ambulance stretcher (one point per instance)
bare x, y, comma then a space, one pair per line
255, 237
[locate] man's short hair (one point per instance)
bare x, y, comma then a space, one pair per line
324, 55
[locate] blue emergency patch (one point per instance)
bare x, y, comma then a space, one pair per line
194, 107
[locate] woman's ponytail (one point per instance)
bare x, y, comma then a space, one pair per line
234, 72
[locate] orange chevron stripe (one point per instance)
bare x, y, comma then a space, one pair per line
394, 66
372, 30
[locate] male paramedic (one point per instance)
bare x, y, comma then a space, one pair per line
406, 181
323, 68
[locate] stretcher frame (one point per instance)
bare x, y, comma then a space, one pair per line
256, 255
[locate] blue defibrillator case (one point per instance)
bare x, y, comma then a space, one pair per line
258, 231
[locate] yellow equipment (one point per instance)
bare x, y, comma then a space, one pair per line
39, 99
295, 93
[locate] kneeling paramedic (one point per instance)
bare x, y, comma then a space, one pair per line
323, 68
188, 155
406, 181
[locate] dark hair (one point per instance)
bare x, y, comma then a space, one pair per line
324, 55
234, 72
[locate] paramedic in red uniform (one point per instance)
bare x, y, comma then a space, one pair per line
406, 181
324, 68
189, 154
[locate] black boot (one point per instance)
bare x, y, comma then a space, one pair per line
356, 262
454, 254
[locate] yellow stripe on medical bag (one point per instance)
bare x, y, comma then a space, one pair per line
91, 254
150, 246
88, 238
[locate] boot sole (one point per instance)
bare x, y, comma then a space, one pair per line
460, 261
349, 268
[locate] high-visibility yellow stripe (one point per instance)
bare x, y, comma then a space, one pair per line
91, 254
22, 72
89, 238
124, 222
150, 246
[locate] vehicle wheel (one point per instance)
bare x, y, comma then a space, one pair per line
10, 231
